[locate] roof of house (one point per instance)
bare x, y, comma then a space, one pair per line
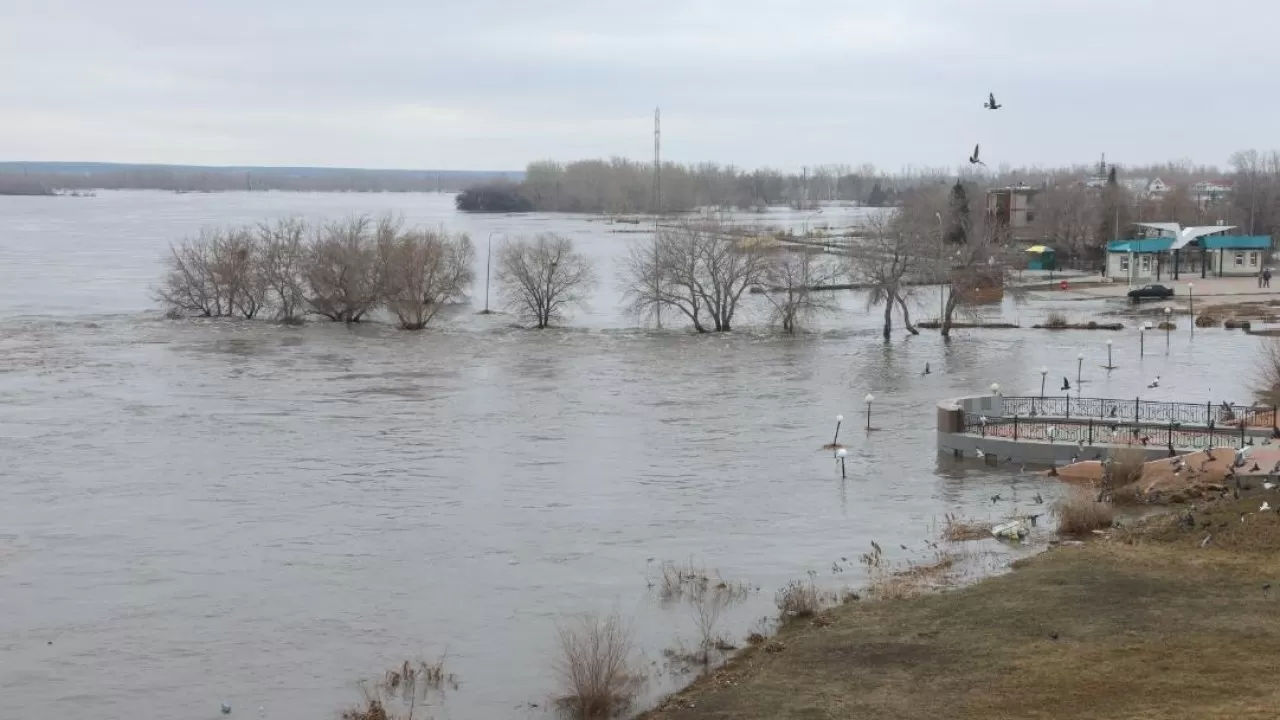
1238, 242
1148, 245
1213, 242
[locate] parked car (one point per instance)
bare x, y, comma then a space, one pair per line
1150, 292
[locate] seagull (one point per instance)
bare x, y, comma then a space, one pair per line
1155, 383
973, 159
982, 419
1038, 500
991, 104
1066, 385
926, 369
1265, 507
979, 453
226, 709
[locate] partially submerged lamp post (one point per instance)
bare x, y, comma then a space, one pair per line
840, 455
1142, 338
488, 262
995, 389
1168, 325
1043, 372
1079, 369
1110, 366
835, 441
869, 399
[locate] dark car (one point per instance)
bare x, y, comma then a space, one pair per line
1150, 292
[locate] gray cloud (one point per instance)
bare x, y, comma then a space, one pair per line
496, 83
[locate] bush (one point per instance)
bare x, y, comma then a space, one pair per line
1056, 320
597, 674
798, 600
1080, 513
499, 197
1208, 319
1125, 466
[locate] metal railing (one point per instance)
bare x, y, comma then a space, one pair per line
1091, 431
1138, 410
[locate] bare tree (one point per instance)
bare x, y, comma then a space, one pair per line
790, 279
344, 277
1070, 215
543, 276
213, 275
700, 269
283, 257
891, 251
422, 271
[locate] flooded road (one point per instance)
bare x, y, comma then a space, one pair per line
207, 512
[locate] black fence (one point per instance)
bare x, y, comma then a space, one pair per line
1140, 411
1090, 431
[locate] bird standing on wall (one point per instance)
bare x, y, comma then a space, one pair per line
991, 103
973, 159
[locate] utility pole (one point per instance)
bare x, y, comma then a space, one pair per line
657, 207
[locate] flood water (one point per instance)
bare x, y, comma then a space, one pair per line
207, 512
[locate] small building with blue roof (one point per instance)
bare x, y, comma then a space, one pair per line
1171, 251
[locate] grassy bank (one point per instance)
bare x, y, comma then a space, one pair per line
1145, 624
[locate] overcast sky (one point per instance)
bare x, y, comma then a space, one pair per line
493, 84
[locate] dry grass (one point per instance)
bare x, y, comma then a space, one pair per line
1055, 319
1080, 513
798, 600
409, 685
677, 581
1126, 465
956, 529
596, 667
1158, 629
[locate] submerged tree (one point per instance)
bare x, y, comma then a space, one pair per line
792, 279
214, 275
893, 248
423, 271
344, 275
542, 277
697, 269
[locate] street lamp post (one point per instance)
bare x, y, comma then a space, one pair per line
869, 399
942, 287
1110, 365
1079, 369
1043, 372
1168, 325
488, 263
1191, 305
995, 389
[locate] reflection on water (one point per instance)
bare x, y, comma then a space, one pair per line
199, 512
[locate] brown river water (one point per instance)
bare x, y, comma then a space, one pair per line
206, 512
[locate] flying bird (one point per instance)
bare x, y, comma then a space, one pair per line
991, 103
995, 498
973, 159
1066, 385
